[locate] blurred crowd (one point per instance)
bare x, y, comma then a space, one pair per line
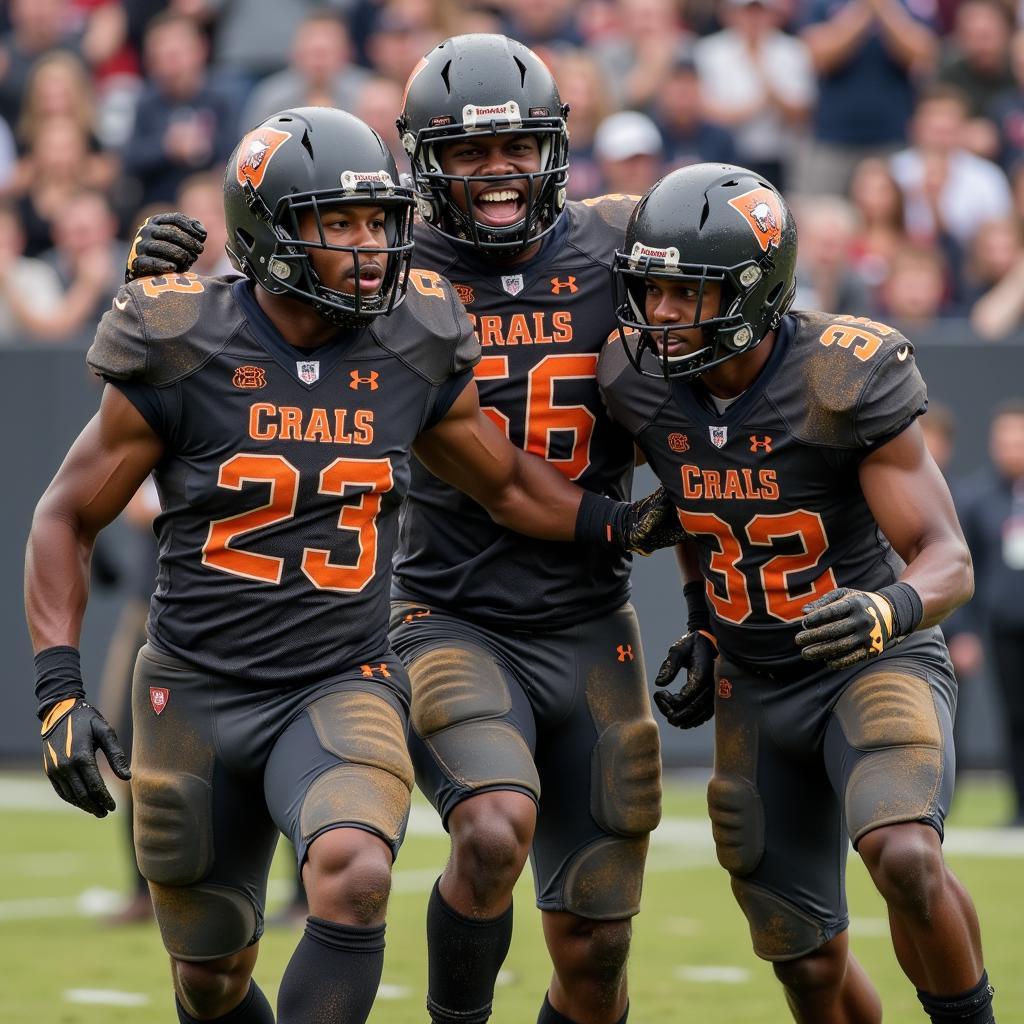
895, 127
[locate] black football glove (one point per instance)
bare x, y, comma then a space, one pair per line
166, 243
694, 704
72, 732
651, 523
847, 626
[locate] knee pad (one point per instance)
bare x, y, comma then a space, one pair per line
459, 698
372, 786
625, 788
778, 930
892, 717
737, 822
603, 881
172, 821
204, 922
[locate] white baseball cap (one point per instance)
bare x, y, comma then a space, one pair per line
625, 134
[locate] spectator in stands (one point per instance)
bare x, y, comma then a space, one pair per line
976, 57
546, 26
88, 260
37, 28
881, 230
376, 105
320, 72
29, 280
997, 304
1006, 111
60, 86
401, 34
637, 56
8, 158
992, 513
914, 296
689, 137
757, 81
827, 226
629, 153
202, 197
582, 85
186, 120
945, 187
57, 166
866, 54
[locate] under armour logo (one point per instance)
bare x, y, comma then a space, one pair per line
412, 616
625, 652
760, 444
557, 286
368, 670
724, 688
370, 380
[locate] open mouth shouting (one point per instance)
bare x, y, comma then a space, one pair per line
500, 205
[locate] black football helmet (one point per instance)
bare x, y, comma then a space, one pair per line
312, 158
706, 222
484, 84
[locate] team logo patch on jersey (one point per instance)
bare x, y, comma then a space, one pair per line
255, 152
761, 209
557, 285
512, 283
158, 698
719, 435
724, 688
465, 293
308, 370
369, 381
249, 377
678, 442
760, 444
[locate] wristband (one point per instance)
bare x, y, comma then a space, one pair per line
698, 618
907, 609
58, 675
599, 519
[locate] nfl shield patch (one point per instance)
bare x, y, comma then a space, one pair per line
512, 283
309, 371
719, 435
158, 696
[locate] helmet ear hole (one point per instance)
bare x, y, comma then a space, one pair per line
245, 239
775, 294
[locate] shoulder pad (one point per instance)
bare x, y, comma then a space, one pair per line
161, 329
859, 381
614, 209
429, 332
632, 400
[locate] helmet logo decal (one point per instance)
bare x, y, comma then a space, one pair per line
351, 180
762, 210
473, 115
639, 252
255, 152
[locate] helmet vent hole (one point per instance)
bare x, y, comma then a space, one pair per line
282, 119
245, 238
704, 214
775, 294
522, 71
307, 144
444, 75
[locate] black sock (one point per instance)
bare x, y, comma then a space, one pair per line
971, 1007
549, 1015
464, 956
332, 975
253, 1009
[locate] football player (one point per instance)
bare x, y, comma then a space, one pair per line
278, 413
828, 550
531, 726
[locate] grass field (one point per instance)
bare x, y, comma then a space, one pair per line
61, 871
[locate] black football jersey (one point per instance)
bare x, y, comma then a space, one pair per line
541, 327
284, 470
768, 490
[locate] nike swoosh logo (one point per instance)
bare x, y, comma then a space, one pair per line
902, 353
122, 304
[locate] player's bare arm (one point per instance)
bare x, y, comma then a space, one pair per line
525, 493
912, 505
104, 468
